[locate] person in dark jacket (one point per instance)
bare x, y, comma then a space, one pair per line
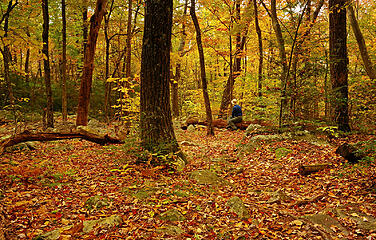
236, 115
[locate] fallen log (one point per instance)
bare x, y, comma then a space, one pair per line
218, 123
308, 169
52, 136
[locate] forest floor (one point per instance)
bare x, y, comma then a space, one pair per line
81, 190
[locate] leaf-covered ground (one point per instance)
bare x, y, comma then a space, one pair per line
65, 183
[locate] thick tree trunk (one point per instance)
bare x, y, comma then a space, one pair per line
339, 62
64, 64
46, 65
209, 117
361, 43
87, 75
157, 133
43, 137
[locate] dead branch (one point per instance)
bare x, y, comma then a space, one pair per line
44, 137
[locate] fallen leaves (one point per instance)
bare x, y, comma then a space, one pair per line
48, 190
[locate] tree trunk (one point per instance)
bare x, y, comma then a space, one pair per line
157, 133
261, 54
235, 69
84, 28
87, 75
339, 62
107, 95
175, 83
64, 64
361, 43
282, 55
128, 56
46, 65
209, 117
7, 57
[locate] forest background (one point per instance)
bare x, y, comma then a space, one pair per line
231, 47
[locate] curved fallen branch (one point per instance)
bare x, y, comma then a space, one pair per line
43, 137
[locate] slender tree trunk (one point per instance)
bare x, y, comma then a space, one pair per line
7, 57
261, 54
64, 64
209, 117
87, 75
107, 95
339, 62
85, 28
235, 69
282, 55
175, 83
128, 56
157, 133
46, 65
361, 43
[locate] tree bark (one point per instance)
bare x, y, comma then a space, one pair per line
7, 57
282, 55
175, 83
107, 95
157, 133
339, 62
308, 169
361, 43
209, 117
43, 137
128, 56
235, 69
87, 75
261, 53
64, 64
46, 65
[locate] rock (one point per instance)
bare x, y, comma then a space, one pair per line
282, 152
25, 146
327, 223
180, 164
170, 230
272, 137
277, 196
191, 128
94, 123
350, 153
365, 222
186, 143
206, 177
54, 234
237, 206
172, 215
96, 202
253, 128
103, 223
